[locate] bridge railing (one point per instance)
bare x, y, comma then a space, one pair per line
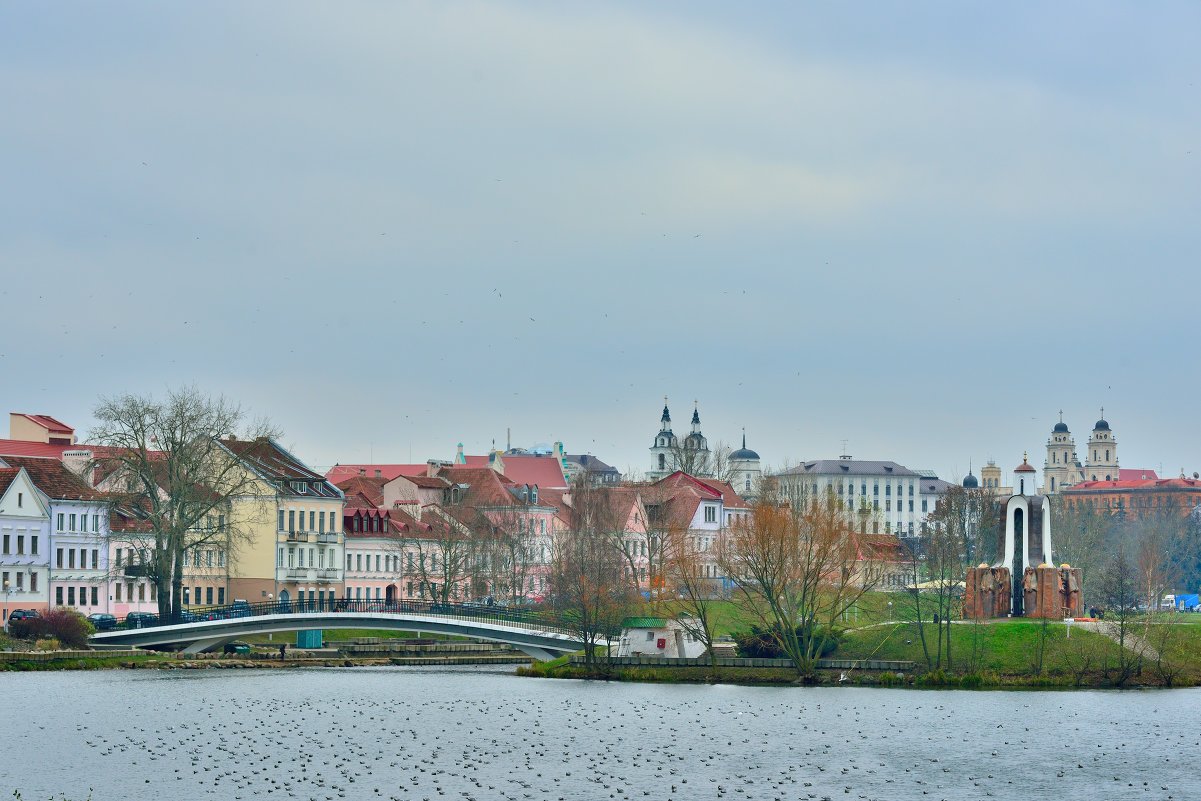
530, 618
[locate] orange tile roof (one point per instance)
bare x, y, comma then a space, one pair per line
53, 478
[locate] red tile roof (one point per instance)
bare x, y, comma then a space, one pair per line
341, 472
1137, 484
53, 478
543, 471
370, 488
1135, 474
7, 474
19, 447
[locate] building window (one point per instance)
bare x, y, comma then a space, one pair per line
924, 505
96, 523
331, 522
73, 523
70, 596
70, 555
888, 506
312, 521
60, 521
33, 581
118, 592
58, 596
710, 514
291, 520
208, 595
95, 596
888, 490
220, 595
281, 520
58, 555
321, 524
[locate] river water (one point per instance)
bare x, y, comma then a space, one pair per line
476, 733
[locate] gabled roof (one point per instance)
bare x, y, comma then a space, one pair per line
589, 463
341, 472
729, 497
542, 471
370, 488
274, 463
7, 476
54, 479
426, 482
47, 422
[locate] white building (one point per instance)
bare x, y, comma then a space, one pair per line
885, 492
745, 472
657, 636
24, 543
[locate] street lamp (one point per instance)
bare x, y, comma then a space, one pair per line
8, 590
270, 598
890, 611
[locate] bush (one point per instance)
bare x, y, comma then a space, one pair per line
47, 644
764, 644
65, 625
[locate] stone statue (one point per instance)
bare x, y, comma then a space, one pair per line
1030, 591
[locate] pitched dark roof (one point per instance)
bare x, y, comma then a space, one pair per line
53, 478
854, 467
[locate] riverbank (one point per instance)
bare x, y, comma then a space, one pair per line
1009, 654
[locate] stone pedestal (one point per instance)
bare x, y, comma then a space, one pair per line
1052, 592
986, 593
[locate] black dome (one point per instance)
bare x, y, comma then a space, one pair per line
1101, 426
970, 482
1060, 428
744, 453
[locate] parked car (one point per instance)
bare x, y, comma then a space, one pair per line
140, 620
20, 614
102, 621
237, 647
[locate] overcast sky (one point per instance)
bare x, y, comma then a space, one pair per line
923, 228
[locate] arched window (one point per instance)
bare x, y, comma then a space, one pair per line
662, 461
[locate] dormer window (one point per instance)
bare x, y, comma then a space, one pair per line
300, 487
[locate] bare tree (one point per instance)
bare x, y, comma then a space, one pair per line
164, 460
1081, 538
591, 591
444, 556
688, 571
709, 463
1119, 589
798, 571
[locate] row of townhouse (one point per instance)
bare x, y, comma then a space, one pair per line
64, 542
455, 533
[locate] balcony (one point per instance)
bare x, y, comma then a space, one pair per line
298, 536
298, 574
136, 571
329, 574
327, 537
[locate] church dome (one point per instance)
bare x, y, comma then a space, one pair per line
1060, 428
1101, 425
744, 452
970, 482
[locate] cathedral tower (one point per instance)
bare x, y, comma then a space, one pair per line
1101, 461
663, 448
1062, 467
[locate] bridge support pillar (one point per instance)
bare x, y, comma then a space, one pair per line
541, 654
200, 646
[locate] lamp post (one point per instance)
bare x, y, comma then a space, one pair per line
8, 590
890, 611
270, 600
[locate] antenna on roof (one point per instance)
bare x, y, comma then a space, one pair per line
844, 447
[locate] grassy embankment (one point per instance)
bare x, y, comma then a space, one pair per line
1003, 653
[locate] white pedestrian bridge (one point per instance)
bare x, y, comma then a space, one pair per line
536, 633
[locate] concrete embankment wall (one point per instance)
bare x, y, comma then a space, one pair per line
740, 662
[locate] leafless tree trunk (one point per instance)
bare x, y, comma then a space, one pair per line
591, 592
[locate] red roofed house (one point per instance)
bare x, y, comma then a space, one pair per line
705, 507
1136, 497
39, 428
